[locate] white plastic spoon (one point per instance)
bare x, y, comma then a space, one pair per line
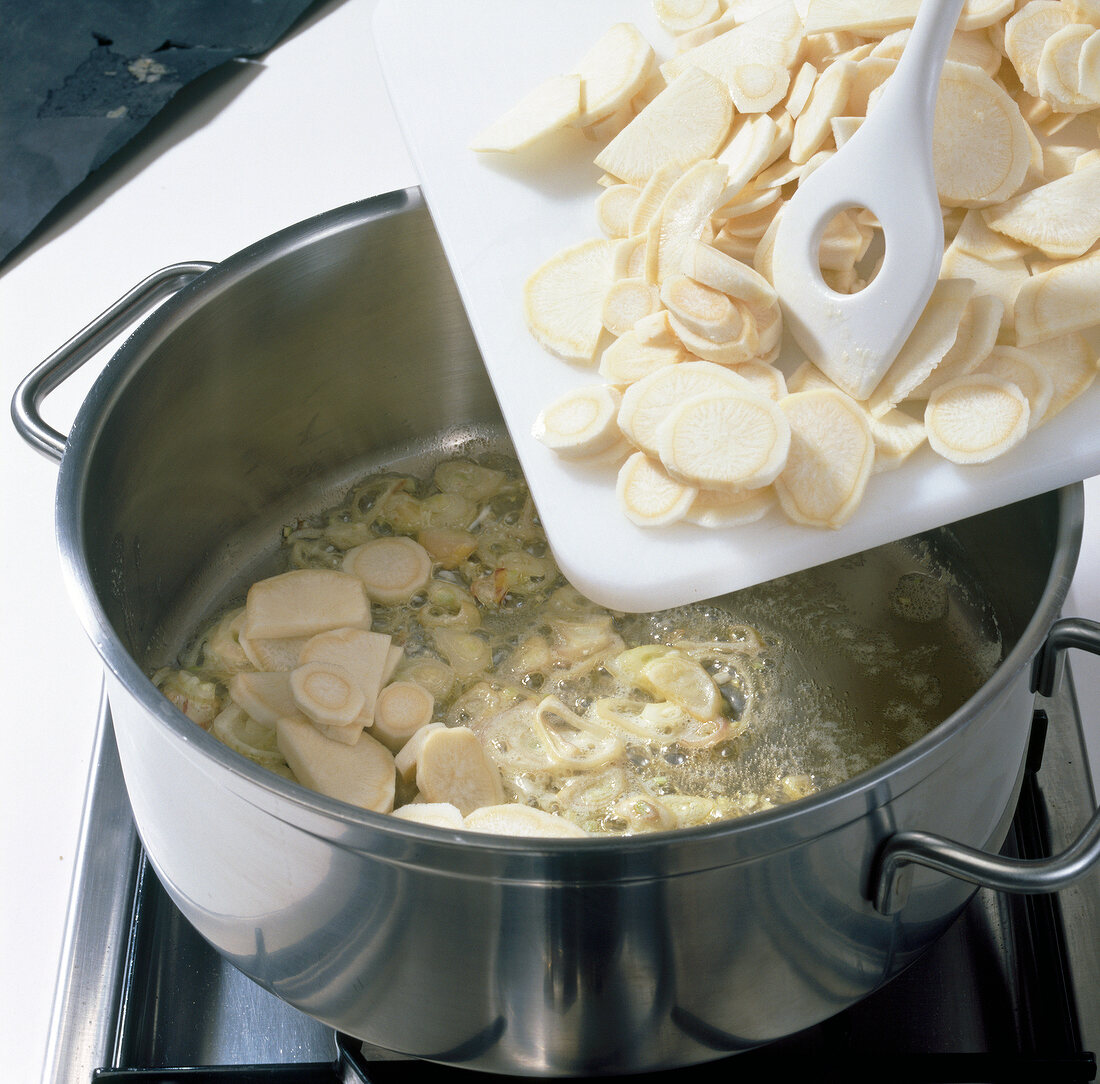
886, 167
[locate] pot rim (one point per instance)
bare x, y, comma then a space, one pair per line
835, 806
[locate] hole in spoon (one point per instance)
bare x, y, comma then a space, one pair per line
851, 251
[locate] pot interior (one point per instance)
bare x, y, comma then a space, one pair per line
265, 391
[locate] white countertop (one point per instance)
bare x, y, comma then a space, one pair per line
308, 129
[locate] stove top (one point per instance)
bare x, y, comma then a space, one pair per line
1010, 993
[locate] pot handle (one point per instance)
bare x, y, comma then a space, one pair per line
65, 361
987, 870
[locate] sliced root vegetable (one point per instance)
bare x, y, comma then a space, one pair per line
361, 774
435, 814
582, 422
734, 439
406, 760
1025, 34
452, 766
798, 94
975, 418
756, 87
651, 196
1020, 368
998, 275
648, 496
897, 436
279, 653
628, 359
563, 299
683, 215
447, 546
678, 16
978, 14
304, 602
265, 697
855, 16
718, 508
613, 209
401, 709
1059, 72
980, 146
392, 569
1071, 364
746, 153
830, 459
1059, 301
521, 821
628, 301
927, 344
705, 311
613, 71
681, 681
977, 335
828, 99
686, 122
766, 380
772, 35
714, 268
365, 655
236, 728
646, 403
552, 105
1061, 218
326, 693
726, 353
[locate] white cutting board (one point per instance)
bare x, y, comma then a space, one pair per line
451, 67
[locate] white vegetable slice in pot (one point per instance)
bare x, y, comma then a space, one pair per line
266, 697
326, 693
392, 569
648, 496
406, 759
582, 422
976, 418
304, 602
365, 655
436, 814
401, 709
521, 820
452, 766
361, 774
563, 299
830, 459
734, 439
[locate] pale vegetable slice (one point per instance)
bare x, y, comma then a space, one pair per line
613, 209
685, 212
766, 380
747, 152
996, 272
772, 36
467, 653
406, 760
798, 94
236, 728
1071, 364
563, 299
582, 422
706, 311
857, 16
979, 327
651, 196
827, 100
613, 71
401, 709
629, 359
718, 508
265, 697
1021, 369
648, 496
221, 649
326, 693
554, 104
678, 16
362, 653
830, 459
1061, 218
524, 821
571, 740
278, 653
729, 352
683, 682
452, 766
646, 403
927, 344
447, 546
975, 418
1027, 31
897, 436
392, 569
734, 439
977, 14
628, 301
435, 814
981, 147
686, 122
1058, 301
361, 774
756, 87
304, 602
714, 268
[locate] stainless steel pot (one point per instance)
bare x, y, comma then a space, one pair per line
291, 368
